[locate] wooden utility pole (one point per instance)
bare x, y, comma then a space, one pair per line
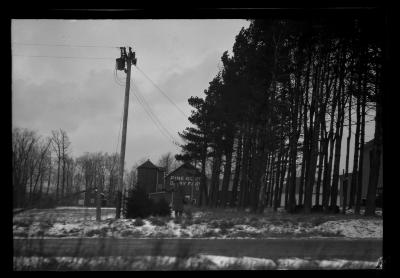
128, 59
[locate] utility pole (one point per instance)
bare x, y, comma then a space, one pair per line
128, 59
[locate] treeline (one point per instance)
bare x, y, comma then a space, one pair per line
276, 111
45, 174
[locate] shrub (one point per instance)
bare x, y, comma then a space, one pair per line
25, 222
188, 213
333, 209
161, 208
299, 209
138, 222
318, 208
157, 221
197, 221
45, 225
91, 233
178, 220
318, 221
138, 204
46, 202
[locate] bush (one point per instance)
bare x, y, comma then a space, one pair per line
188, 213
46, 202
318, 208
138, 204
138, 222
161, 208
157, 221
299, 209
333, 209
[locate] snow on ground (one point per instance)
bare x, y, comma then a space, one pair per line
201, 261
74, 222
359, 228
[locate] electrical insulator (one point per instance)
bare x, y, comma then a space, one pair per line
120, 63
134, 58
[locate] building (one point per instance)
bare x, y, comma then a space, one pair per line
365, 176
187, 176
150, 177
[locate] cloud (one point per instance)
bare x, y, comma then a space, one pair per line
90, 112
54, 104
180, 84
181, 56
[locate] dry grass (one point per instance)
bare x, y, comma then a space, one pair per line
219, 223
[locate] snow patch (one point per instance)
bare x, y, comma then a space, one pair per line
356, 228
201, 261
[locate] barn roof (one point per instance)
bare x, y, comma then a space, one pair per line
148, 164
184, 165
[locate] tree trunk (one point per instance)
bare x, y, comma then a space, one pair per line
375, 157
237, 172
273, 179
293, 139
283, 179
58, 178
346, 177
215, 177
203, 198
338, 145
356, 156
327, 176
49, 180
227, 173
279, 174
244, 171
335, 179
320, 168
360, 163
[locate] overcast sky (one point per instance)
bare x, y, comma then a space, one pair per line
83, 96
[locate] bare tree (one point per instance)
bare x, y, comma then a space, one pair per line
168, 162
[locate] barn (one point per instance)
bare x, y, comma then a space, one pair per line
158, 185
150, 177
187, 176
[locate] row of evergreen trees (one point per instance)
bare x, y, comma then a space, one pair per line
278, 107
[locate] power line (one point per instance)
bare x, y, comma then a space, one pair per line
151, 113
145, 106
147, 109
65, 45
153, 117
165, 95
63, 57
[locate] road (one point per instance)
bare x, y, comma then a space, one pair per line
312, 248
